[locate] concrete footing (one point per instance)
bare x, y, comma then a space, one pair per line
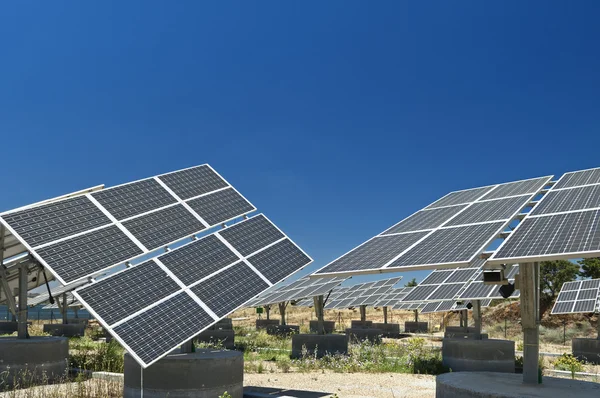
220, 338
8, 327
202, 374
223, 324
83, 321
263, 323
361, 324
505, 385
462, 335
32, 361
416, 327
464, 355
363, 334
391, 330
318, 344
283, 330
329, 326
587, 349
65, 330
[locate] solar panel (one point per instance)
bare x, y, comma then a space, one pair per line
450, 232
300, 289
55, 292
442, 285
564, 224
370, 297
81, 236
578, 297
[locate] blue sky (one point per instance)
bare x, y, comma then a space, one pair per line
336, 119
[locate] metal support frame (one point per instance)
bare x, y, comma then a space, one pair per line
64, 308
477, 318
385, 313
282, 307
416, 315
529, 285
363, 313
22, 325
319, 304
10, 299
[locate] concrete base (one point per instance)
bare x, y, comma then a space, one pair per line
360, 334
587, 349
8, 327
504, 385
361, 324
416, 327
283, 330
263, 323
65, 330
318, 344
464, 355
459, 335
391, 330
202, 374
83, 321
37, 360
220, 338
329, 326
223, 324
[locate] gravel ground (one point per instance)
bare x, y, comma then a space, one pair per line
345, 385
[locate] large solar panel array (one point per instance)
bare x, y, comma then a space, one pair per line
564, 224
449, 305
393, 297
369, 294
450, 232
442, 285
477, 290
300, 289
81, 236
578, 297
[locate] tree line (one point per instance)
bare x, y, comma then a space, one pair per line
553, 274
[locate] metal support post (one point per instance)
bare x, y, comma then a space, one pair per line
268, 311
363, 313
416, 315
282, 307
64, 308
22, 326
598, 327
318, 304
477, 318
187, 347
529, 287
385, 309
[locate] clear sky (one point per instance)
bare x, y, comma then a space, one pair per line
336, 119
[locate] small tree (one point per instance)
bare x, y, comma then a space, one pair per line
553, 274
411, 283
590, 268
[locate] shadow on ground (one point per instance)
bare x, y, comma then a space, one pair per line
269, 392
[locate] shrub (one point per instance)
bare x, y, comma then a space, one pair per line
569, 363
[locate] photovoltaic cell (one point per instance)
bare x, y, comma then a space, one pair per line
436, 277
585, 306
446, 292
167, 325
452, 245
86, 254
420, 293
518, 188
251, 235
164, 226
563, 308
498, 209
375, 253
567, 296
230, 289
578, 178
425, 219
53, 221
478, 290
462, 275
220, 206
125, 293
280, 260
192, 182
569, 200
460, 197
135, 198
199, 259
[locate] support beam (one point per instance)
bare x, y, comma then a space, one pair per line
466, 319
268, 311
529, 282
282, 307
385, 309
64, 308
416, 315
363, 313
22, 326
318, 304
477, 318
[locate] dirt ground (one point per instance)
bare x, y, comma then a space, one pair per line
345, 385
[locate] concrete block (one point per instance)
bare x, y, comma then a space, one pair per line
283, 330
33, 360
319, 344
83, 321
329, 326
8, 327
360, 324
362, 334
506, 385
203, 374
416, 327
465, 355
263, 323
587, 349
223, 324
220, 338
458, 329
459, 335
391, 330
65, 330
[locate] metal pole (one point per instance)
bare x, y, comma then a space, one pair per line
477, 319
363, 313
564, 332
504, 327
22, 326
282, 312
598, 327
416, 315
268, 310
318, 304
64, 308
529, 287
385, 314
